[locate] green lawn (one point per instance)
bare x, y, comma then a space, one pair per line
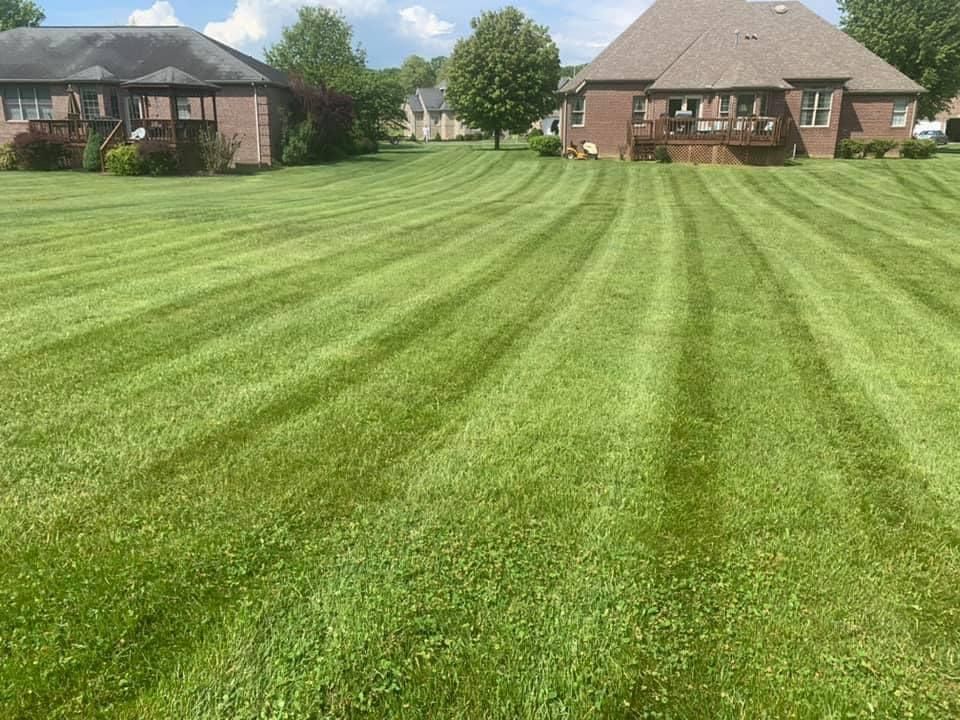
463, 434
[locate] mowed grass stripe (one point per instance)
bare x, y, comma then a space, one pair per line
447, 485
302, 399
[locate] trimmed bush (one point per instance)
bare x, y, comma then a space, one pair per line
217, 151
8, 158
546, 145
91, 153
39, 151
366, 146
918, 149
157, 159
124, 160
661, 154
879, 148
437, 138
536, 132
851, 149
299, 143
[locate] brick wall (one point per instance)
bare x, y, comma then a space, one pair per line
609, 109
870, 116
237, 114
813, 141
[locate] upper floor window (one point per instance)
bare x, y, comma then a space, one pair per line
815, 108
724, 105
89, 103
183, 108
27, 103
639, 108
900, 106
578, 111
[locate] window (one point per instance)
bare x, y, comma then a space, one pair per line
639, 108
135, 108
27, 103
183, 108
114, 105
900, 106
690, 106
724, 105
578, 113
762, 104
745, 105
89, 103
815, 108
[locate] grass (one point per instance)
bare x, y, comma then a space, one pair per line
461, 434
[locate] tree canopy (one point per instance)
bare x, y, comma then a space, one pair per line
319, 48
20, 13
417, 72
504, 76
921, 38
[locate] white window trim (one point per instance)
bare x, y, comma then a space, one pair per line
720, 100
906, 114
816, 106
685, 98
188, 108
634, 111
574, 112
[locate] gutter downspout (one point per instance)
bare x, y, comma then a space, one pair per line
256, 117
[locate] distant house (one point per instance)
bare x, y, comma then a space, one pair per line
947, 121
170, 81
736, 82
427, 107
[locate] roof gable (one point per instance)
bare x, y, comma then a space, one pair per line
60, 53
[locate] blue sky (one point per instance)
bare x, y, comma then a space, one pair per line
389, 30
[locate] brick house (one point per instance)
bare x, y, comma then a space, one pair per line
737, 82
170, 81
428, 108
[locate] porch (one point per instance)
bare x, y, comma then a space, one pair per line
738, 132
171, 132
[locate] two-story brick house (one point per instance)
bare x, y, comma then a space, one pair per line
735, 81
170, 81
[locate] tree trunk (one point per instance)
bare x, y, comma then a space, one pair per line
496, 139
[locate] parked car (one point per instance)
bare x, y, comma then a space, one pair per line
938, 136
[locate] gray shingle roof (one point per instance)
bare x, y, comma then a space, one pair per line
694, 44
95, 73
414, 102
169, 77
433, 98
60, 53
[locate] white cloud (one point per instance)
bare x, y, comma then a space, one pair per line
584, 30
160, 13
420, 23
251, 21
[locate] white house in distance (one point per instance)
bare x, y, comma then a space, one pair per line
428, 108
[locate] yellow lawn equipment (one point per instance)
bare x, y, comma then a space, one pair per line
586, 151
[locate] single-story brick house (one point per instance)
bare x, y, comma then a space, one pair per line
170, 81
427, 109
735, 81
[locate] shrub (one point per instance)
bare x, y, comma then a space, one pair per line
366, 146
412, 138
536, 132
8, 158
437, 138
157, 159
91, 153
917, 149
546, 145
661, 154
460, 137
298, 145
124, 160
879, 148
39, 151
217, 151
851, 149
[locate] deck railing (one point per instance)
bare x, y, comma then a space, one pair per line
763, 131
173, 132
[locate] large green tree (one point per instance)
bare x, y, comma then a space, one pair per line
921, 38
504, 76
417, 72
20, 13
319, 48
439, 65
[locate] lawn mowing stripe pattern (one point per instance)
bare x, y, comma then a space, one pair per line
460, 433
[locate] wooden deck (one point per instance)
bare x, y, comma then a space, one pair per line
644, 136
171, 132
